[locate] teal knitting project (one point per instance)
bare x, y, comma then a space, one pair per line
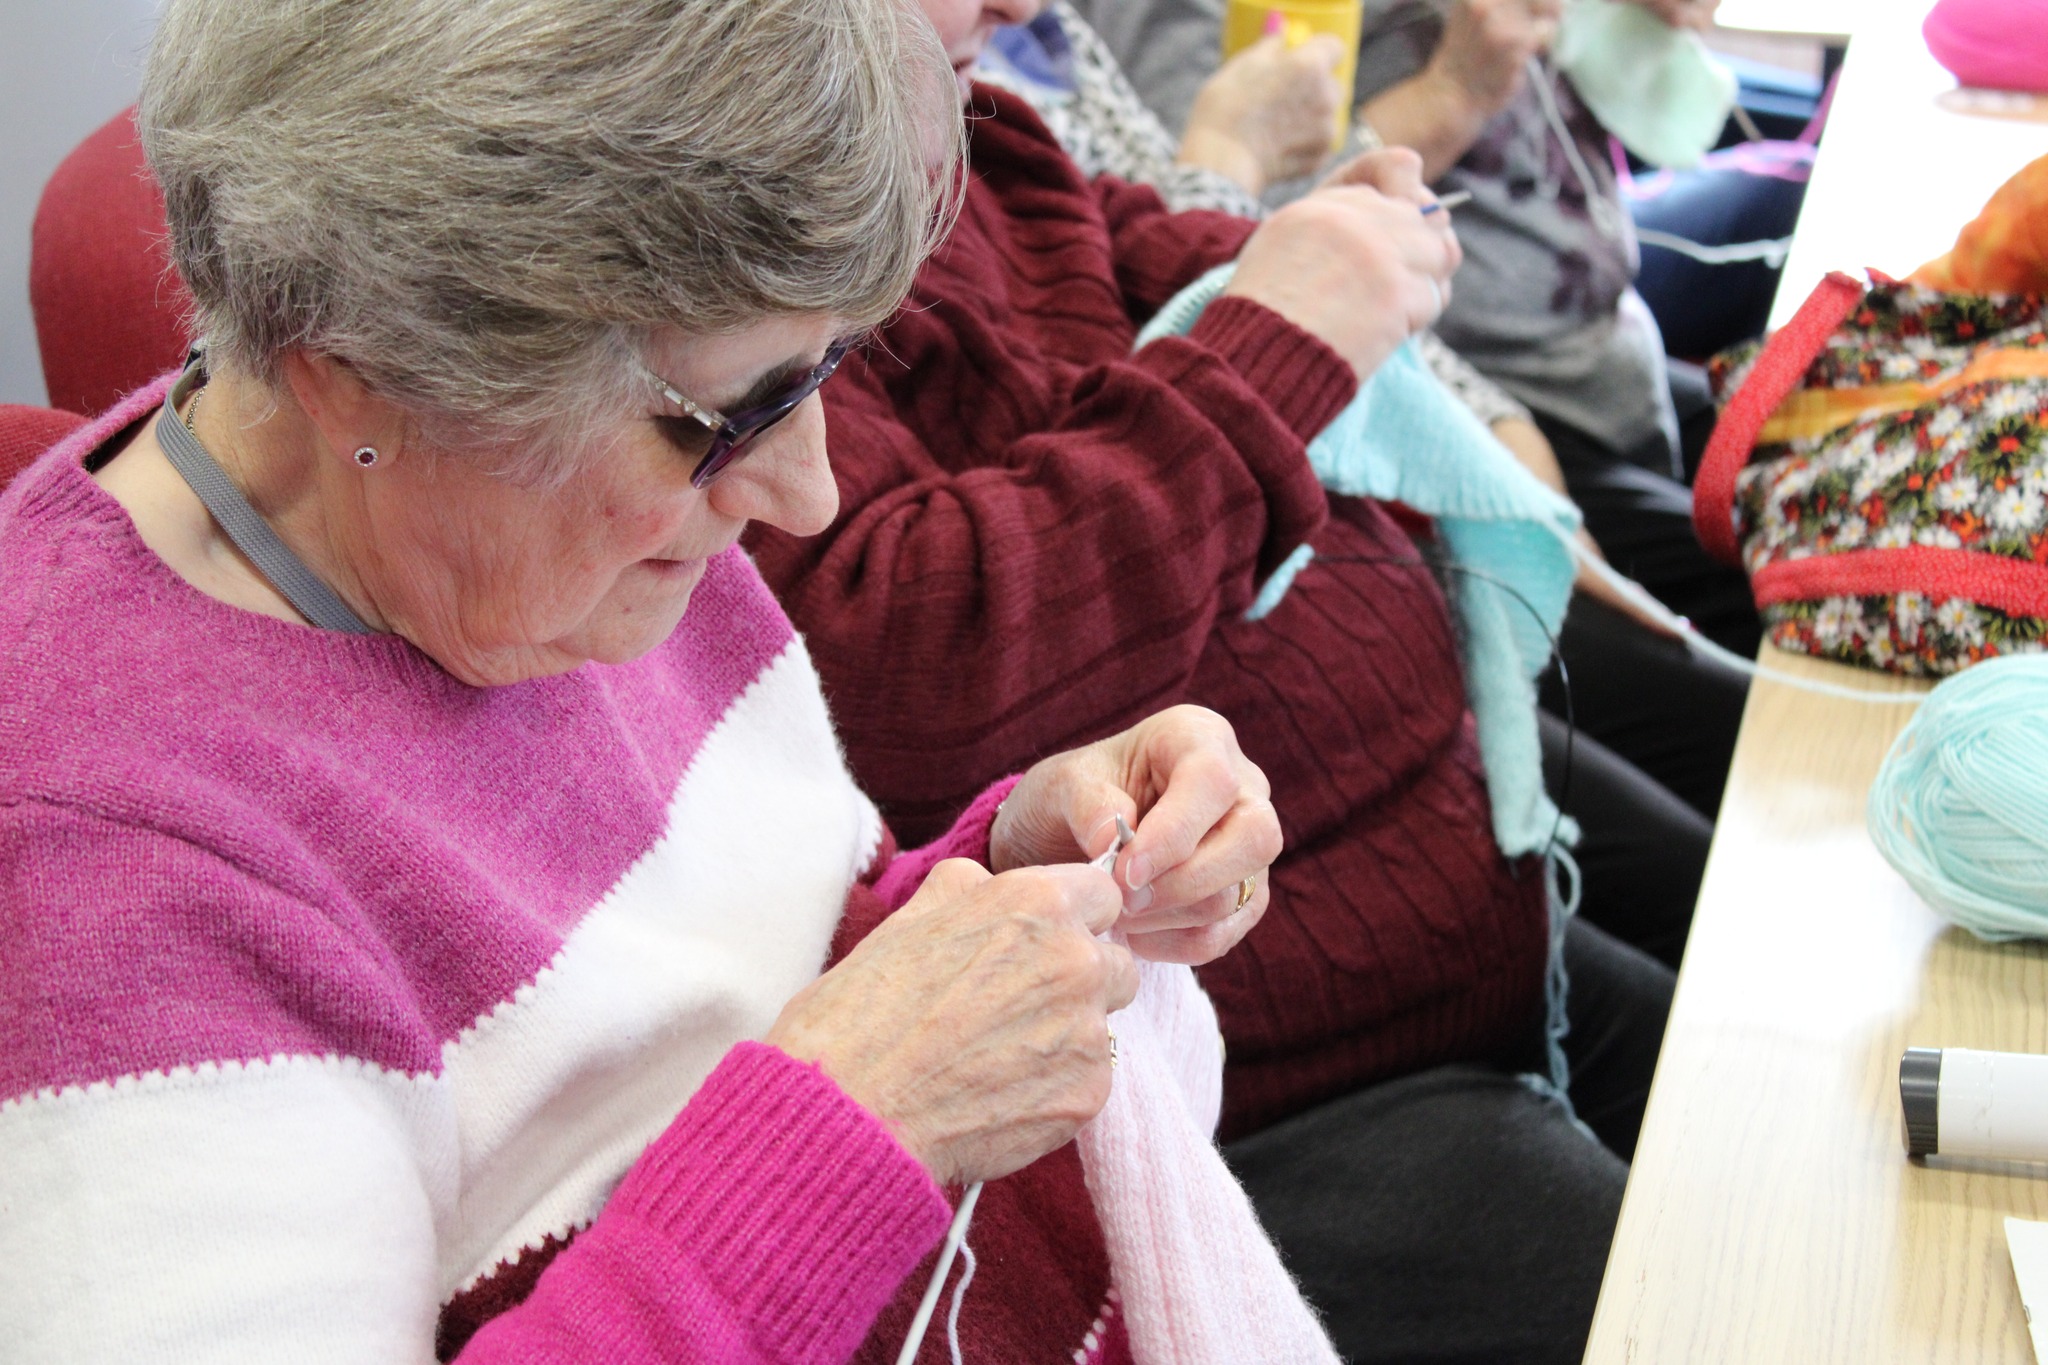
1406, 439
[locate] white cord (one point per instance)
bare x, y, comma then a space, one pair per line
1772, 251
955, 1235
1607, 216
1638, 597
959, 1293
1743, 121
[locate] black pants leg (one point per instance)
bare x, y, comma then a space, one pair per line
1617, 1004
1456, 1215
1663, 708
1643, 850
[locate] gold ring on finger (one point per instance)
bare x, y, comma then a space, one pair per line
1246, 889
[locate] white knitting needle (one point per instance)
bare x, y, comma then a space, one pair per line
1639, 597
957, 1233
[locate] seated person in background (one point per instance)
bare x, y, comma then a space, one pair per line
1661, 720
1544, 305
424, 837
1043, 535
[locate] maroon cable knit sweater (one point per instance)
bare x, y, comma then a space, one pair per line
1044, 538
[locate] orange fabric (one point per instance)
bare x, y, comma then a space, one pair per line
1816, 412
2005, 249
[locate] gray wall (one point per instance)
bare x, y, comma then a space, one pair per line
66, 66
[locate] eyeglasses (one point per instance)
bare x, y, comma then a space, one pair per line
730, 436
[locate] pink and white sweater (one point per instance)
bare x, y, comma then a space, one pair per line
351, 1014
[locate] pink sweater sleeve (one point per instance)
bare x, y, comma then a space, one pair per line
968, 838
771, 1222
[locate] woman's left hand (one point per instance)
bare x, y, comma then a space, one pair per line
1268, 114
1204, 821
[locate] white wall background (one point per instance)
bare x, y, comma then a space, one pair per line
66, 66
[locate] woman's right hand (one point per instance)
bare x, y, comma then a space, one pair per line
1356, 263
974, 1021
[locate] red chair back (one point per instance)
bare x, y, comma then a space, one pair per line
26, 433
111, 314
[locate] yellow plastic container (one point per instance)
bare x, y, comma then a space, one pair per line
1247, 21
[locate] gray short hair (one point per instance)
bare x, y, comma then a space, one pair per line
483, 206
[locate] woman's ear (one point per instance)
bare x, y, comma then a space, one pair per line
351, 420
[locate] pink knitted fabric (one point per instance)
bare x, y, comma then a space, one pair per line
1198, 1277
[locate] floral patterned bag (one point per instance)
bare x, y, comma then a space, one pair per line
1881, 472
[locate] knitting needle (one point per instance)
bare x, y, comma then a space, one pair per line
1454, 200
957, 1233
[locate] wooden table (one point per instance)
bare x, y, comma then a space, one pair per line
1772, 1215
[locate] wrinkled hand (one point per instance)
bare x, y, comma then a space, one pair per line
1268, 114
974, 1021
1356, 263
1204, 819
1693, 14
1487, 45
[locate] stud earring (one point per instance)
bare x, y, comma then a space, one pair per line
366, 456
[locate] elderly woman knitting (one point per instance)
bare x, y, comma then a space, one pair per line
424, 838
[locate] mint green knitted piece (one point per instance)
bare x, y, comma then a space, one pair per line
1406, 439
1657, 88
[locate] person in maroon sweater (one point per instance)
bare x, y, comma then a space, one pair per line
1043, 536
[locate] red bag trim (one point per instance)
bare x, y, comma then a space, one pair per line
2017, 587
1778, 371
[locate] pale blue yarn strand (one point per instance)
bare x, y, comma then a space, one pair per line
1960, 807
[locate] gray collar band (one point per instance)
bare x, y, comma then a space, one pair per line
252, 535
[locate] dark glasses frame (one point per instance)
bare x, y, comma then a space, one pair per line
731, 435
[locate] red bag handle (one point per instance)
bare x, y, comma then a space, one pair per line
1777, 373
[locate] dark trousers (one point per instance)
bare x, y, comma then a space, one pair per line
1456, 1215
1641, 768
1649, 700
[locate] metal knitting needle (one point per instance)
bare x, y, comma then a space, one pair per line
1124, 835
957, 1233
1456, 199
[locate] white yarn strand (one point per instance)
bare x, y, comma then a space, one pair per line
955, 1236
959, 1293
1638, 597
1772, 251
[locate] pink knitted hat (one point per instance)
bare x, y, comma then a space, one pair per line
2001, 44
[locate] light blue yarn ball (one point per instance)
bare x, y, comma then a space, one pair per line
1960, 807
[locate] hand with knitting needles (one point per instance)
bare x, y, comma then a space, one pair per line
1355, 263
974, 1022
1204, 821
